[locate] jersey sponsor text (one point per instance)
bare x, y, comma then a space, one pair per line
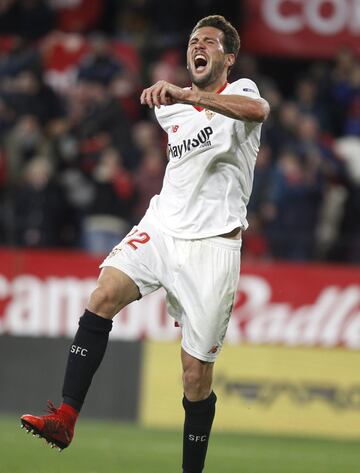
202, 139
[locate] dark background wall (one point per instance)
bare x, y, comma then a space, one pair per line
32, 369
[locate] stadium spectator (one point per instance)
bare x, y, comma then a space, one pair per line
318, 150
306, 98
39, 207
21, 56
169, 67
78, 16
146, 136
345, 92
25, 141
108, 211
293, 207
30, 19
148, 179
347, 246
97, 121
352, 118
26, 93
255, 245
7, 118
99, 65
281, 131
72, 114
262, 177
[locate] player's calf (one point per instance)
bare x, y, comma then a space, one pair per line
199, 416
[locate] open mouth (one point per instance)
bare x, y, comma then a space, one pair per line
200, 62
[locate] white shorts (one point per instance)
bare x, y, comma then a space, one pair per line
200, 278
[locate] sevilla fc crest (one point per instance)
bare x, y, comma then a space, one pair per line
209, 114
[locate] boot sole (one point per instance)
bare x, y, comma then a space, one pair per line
37, 433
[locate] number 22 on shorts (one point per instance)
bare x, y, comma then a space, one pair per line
137, 237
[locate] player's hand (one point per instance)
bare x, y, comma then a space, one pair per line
163, 93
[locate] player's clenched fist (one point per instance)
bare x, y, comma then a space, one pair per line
163, 93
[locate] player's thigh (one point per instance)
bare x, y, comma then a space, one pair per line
207, 291
114, 290
134, 267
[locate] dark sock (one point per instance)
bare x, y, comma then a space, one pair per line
86, 353
199, 416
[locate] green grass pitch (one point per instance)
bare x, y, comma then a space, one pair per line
110, 447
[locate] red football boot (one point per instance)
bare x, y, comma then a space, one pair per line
57, 428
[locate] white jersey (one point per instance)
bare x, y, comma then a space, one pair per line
209, 176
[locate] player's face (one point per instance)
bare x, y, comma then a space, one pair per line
206, 59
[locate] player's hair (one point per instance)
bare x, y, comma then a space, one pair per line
231, 36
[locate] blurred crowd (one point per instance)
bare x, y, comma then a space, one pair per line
80, 158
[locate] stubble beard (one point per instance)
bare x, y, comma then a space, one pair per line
208, 79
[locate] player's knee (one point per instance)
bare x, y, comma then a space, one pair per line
114, 291
197, 384
104, 301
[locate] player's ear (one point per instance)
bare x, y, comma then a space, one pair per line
230, 58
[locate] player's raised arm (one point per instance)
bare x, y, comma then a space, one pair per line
163, 93
238, 107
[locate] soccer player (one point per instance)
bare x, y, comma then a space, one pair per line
188, 241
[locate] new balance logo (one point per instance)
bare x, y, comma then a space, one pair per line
78, 350
214, 349
174, 128
197, 438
